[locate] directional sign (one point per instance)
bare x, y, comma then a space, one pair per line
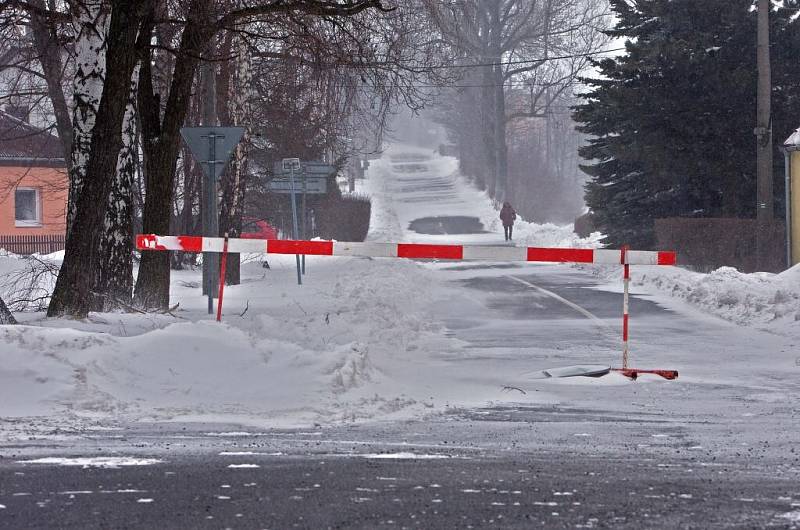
212, 146
304, 168
318, 168
312, 185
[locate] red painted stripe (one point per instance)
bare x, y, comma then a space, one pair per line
412, 250
142, 241
576, 255
191, 243
289, 246
625, 327
667, 258
633, 373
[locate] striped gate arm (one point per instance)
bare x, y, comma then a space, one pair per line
404, 250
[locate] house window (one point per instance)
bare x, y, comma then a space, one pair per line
27, 207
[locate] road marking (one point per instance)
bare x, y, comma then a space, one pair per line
564, 301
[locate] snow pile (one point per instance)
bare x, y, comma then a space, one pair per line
285, 355
770, 301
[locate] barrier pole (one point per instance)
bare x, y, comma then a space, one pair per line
222, 267
626, 279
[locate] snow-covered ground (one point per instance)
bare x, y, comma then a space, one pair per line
364, 339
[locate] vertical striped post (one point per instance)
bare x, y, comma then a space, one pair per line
626, 278
222, 266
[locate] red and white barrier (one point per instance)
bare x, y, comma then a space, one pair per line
623, 257
403, 250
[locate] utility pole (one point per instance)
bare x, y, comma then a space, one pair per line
763, 132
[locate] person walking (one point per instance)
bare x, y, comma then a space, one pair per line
507, 215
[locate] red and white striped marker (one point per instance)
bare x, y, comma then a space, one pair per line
402, 250
626, 280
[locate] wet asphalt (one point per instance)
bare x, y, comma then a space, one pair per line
347, 486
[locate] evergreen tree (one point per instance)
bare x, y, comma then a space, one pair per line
671, 120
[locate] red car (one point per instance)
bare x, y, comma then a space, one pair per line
258, 229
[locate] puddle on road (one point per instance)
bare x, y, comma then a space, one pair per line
447, 225
409, 168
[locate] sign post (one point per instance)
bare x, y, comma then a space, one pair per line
291, 164
313, 180
211, 148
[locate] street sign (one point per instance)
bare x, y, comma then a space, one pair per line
212, 146
303, 168
312, 184
290, 164
318, 168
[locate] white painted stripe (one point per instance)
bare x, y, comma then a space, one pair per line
564, 301
247, 245
375, 250
602, 255
495, 253
169, 242
642, 257
213, 244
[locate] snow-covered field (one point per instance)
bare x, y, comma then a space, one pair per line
361, 340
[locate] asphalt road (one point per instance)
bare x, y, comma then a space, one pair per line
320, 484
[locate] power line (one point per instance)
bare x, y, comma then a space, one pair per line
526, 61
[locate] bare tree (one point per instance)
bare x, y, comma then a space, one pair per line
513, 42
5, 315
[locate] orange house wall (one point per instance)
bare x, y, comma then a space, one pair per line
52, 184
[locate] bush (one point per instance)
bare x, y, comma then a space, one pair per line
343, 217
709, 243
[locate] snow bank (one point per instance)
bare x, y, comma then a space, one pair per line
768, 301
286, 355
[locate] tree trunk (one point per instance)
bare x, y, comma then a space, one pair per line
116, 274
488, 126
498, 103
92, 19
235, 89
161, 142
49, 50
82, 259
5, 315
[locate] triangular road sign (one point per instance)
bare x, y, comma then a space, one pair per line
212, 146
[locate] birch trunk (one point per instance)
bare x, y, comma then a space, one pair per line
73, 294
116, 275
92, 17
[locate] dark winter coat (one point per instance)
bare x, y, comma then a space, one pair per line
507, 215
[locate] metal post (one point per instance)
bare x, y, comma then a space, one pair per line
626, 278
787, 154
224, 262
294, 222
210, 219
303, 176
763, 131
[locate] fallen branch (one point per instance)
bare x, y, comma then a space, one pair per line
510, 388
246, 307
